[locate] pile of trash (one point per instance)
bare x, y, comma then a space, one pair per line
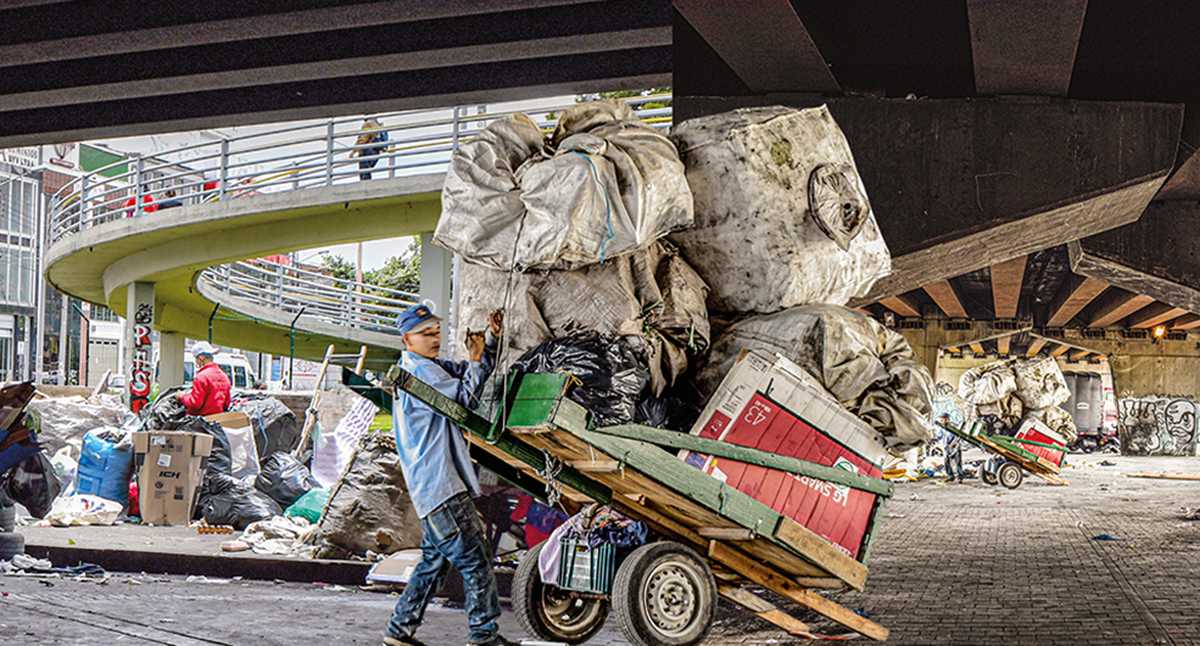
608, 265
1005, 393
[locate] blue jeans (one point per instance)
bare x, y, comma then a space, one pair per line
452, 535
954, 461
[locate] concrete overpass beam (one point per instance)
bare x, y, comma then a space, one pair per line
139, 347
960, 185
1158, 256
170, 359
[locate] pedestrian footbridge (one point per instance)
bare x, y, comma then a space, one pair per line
194, 238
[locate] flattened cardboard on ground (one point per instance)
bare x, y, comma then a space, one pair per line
170, 467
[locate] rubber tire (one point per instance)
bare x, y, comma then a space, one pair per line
11, 545
527, 595
627, 600
1010, 475
8, 517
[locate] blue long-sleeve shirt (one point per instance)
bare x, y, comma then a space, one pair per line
434, 455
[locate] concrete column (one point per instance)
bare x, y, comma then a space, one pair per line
139, 360
170, 359
437, 268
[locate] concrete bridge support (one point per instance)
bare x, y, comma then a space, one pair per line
170, 359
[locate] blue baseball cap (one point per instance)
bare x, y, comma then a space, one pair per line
416, 317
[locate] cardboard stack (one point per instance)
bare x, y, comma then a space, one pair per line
769, 403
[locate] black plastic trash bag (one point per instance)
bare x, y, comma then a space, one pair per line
220, 460
166, 413
612, 372
275, 426
32, 484
225, 500
284, 479
676, 410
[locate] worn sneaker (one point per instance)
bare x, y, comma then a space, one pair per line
498, 640
402, 641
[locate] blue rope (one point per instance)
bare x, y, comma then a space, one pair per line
607, 206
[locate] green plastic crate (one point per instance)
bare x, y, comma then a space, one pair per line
586, 569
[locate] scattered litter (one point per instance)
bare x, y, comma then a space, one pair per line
1107, 463
204, 528
279, 535
897, 516
235, 546
914, 497
83, 509
194, 578
1164, 475
1105, 537
1190, 513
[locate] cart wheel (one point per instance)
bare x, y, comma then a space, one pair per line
1010, 475
664, 595
550, 613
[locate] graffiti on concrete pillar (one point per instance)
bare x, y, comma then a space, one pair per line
1157, 425
141, 376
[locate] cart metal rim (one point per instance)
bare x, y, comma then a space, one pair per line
569, 613
671, 593
1009, 476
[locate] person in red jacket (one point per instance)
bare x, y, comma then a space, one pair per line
210, 387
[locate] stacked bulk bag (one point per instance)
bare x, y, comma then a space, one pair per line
782, 216
868, 368
603, 185
1016, 389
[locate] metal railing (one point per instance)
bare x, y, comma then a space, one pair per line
293, 157
289, 291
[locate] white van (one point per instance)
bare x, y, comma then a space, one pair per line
235, 366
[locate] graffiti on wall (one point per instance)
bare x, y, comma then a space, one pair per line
140, 376
1158, 425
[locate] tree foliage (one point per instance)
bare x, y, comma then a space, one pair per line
402, 272
337, 266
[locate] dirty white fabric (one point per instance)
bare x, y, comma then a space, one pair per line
604, 185
63, 421
1040, 383
281, 535
82, 509
868, 368
369, 508
988, 384
652, 294
781, 214
334, 450
1059, 421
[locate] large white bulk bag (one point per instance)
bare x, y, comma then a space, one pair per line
782, 216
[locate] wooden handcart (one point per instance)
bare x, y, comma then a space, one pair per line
1009, 458
712, 539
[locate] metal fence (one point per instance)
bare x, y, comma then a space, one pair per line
292, 157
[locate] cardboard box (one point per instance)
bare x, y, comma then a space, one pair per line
769, 403
170, 468
1035, 430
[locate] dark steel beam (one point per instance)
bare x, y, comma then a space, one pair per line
763, 42
1025, 46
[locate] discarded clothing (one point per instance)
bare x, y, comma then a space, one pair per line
596, 525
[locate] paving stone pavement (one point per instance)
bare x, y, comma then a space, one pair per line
955, 564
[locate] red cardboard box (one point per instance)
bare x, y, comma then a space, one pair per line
771, 404
1032, 429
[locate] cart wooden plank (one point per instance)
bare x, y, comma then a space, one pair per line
765, 610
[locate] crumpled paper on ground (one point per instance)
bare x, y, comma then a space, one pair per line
868, 368
82, 509
781, 214
282, 536
603, 185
